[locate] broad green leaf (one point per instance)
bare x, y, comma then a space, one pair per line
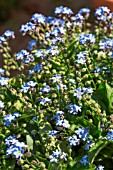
29, 142
18, 105
96, 149
110, 97
104, 96
54, 166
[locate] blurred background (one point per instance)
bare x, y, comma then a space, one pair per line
14, 13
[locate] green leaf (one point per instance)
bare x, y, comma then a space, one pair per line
104, 96
29, 142
95, 150
110, 97
18, 105
54, 166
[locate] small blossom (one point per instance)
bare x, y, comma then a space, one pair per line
101, 13
63, 122
37, 68
9, 34
38, 18
56, 155
84, 160
3, 81
110, 135
44, 101
61, 87
28, 27
9, 118
63, 10
73, 140
78, 93
53, 132
73, 109
45, 89
87, 39
100, 167
2, 71
89, 144
1, 105
31, 45
82, 133
84, 11
56, 78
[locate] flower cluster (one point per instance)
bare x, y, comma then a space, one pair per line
9, 118
58, 154
60, 102
15, 148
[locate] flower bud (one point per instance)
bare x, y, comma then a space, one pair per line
83, 70
39, 76
26, 166
54, 71
20, 162
96, 74
7, 73
98, 81
85, 76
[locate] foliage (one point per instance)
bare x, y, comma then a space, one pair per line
57, 112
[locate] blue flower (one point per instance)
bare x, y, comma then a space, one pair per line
21, 54
27, 86
101, 13
73, 140
84, 161
44, 101
63, 10
3, 81
82, 133
28, 27
45, 89
15, 148
78, 20
78, 93
9, 34
58, 154
2, 71
100, 167
87, 90
53, 132
87, 39
52, 51
38, 18
2, 40
110, 135
106, 44
63, 123
81, 60
61, 87
17, 152
82, 54
40, 53
31, 45
1, 105
89, 144
73, 109
84, 11
56, 78
37, 68
11, 140
8, 119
